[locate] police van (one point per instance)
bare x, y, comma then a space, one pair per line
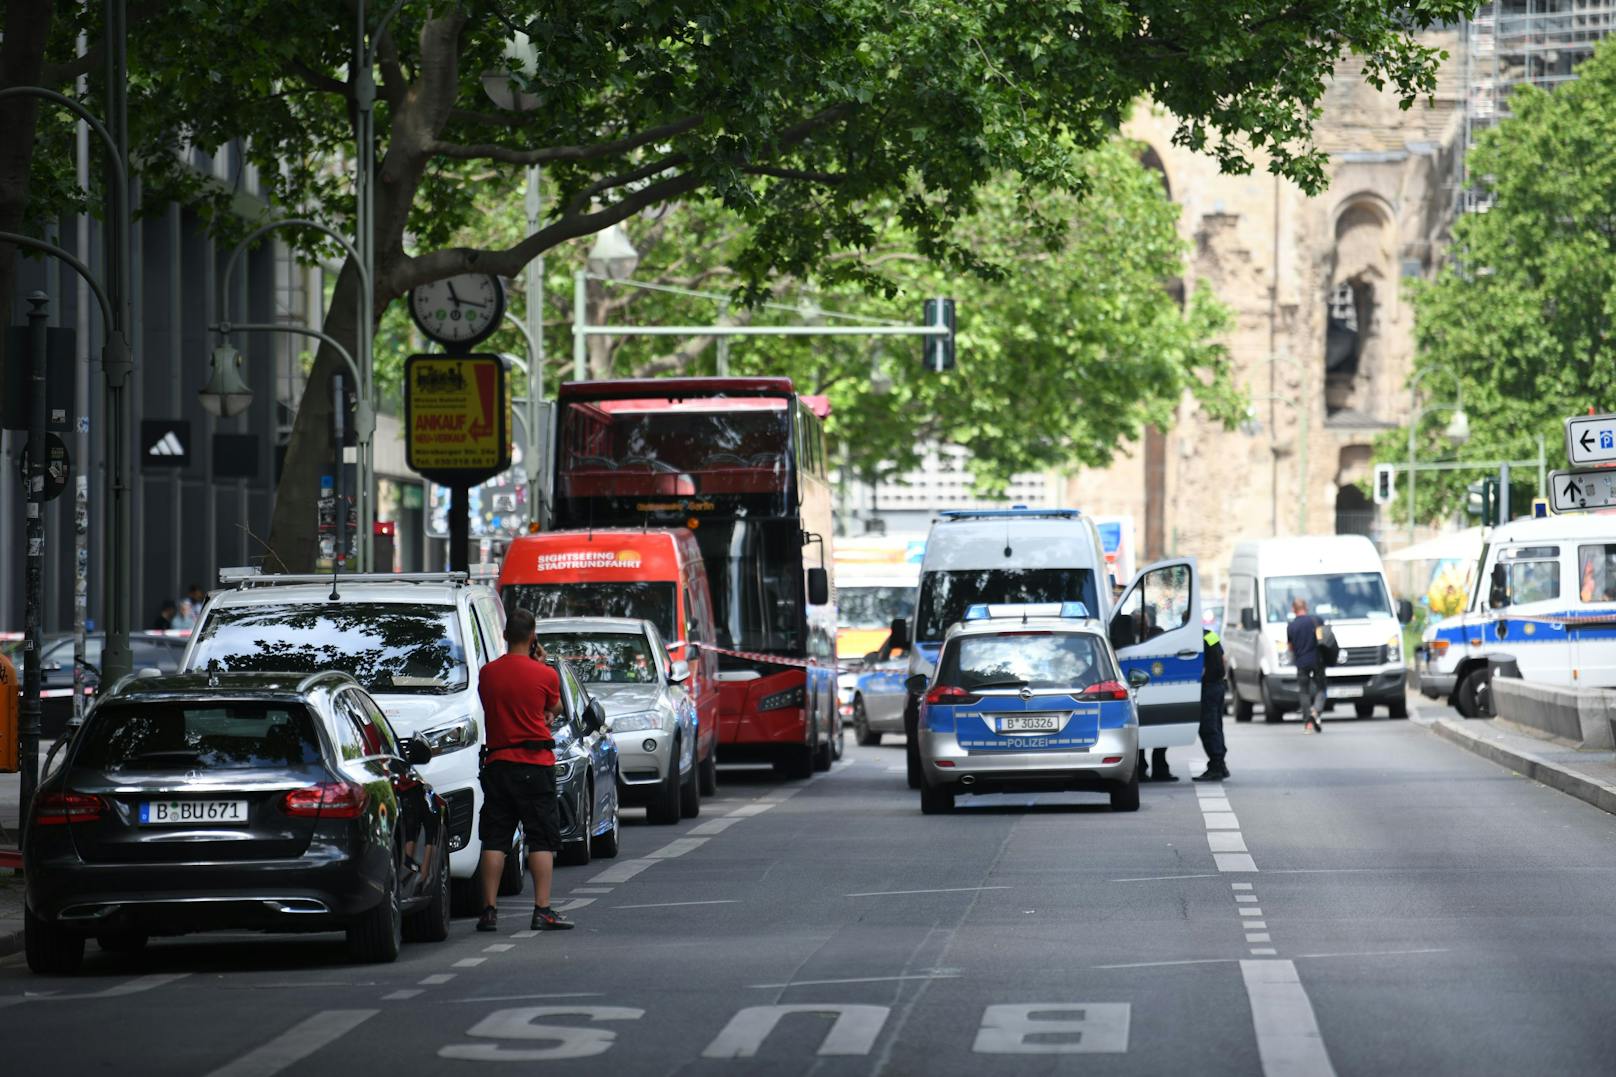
1545, 596
1028, 697
1022, 555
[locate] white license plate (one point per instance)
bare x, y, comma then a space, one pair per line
1344, 692
187, 812
1030, 723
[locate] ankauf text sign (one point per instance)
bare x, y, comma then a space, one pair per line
457, 413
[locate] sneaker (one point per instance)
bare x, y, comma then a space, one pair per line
1309, 727
489, 920
547, 919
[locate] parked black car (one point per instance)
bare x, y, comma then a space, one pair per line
150, 650
278, 802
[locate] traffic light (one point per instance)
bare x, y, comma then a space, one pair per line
1385, 483
1481, 500
938, 350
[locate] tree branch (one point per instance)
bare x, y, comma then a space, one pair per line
493, 151
584, 197
831, 178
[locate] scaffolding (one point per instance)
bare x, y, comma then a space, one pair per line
1509, 43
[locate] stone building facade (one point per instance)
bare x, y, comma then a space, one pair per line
1321, 332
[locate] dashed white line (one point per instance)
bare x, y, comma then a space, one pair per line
499, 947
1221, 820
573, 904
1217, 803
1225, 841
1234, 861
622, 871
1258, 936
295, 1044
1169, 964
1162, 878
1255, 925
715, 826
677, 847
746, 810
406, 993
436, 978
945, 890
468, 962
1288, 1040
1249, 912
1263, 951
1240, 886
1245, 897
675, 904
591, 890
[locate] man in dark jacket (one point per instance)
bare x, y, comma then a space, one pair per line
1213, 685
1302, 635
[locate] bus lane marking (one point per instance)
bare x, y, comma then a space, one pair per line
295, 1044
1288, 1039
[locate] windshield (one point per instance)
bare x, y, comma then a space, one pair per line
944, 596
603, 657
389, 648
660, 436
872, 607
642, 601
1346, 596
176, 736
754, 568
1031, 659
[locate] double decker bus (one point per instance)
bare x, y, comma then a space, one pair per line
740, 463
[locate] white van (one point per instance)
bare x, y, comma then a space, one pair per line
1056, 555
1546, 597
1345, 585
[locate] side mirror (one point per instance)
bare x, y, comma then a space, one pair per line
899, 637
416, 752
1137, 679
1405, 611
915, 683
1498, 595
818, 587
679, 672
1248, 620
594, 717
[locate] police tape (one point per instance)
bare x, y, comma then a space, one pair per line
770, 659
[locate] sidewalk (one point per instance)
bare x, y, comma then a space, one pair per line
1586, 775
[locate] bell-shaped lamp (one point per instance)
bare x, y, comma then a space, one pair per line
613, 255
226, 392
1458, 430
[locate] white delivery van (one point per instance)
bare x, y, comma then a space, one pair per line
1545, 596
1345, 585
1057, 555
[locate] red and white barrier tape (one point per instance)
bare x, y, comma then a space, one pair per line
771, 659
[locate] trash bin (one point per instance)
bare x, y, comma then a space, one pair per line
1498, 666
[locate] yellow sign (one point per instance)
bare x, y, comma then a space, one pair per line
457, 410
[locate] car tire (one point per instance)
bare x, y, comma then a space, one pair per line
1468, 698
690, 793
1243, 708
936, 801
709, 773
838, 739
510, 880
1125, 795
798, 764
663, 809
861, 725
1397, 708
575, 854
377, 936
1364, 709
123, 942
431, 924
605, 846
51, 951
1272, 712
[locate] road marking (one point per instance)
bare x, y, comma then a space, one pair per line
132, 987
1161, 878
1169, 964
400, 996
1249, 912
591, 889
1217, 803
1221, 820
525, 998
945, 890
858, 980
1021, 1029
436, 978
1220, 842
295, 1044
1240, 886
1255, 925
622, 871
853, 1031
1288, 1040
715, 826
528, 934
1258, 936
747, 810
571, 904
1208, 791
1263, 951
1234, 861
1245, 897
499, 947
468, 962
674, 904
560, 1041
677, 847
1380, 953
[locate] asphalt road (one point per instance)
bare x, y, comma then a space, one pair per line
1370, 901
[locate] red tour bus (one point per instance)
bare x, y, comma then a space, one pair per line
740, 464
656, 576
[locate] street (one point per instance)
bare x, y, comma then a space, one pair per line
1373, 900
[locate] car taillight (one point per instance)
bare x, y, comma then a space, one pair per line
53, 809
1105, 690
949, 695
328, 800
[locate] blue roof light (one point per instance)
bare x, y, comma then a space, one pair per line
985, 611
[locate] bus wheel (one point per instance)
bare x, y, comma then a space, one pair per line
797, 764
824, 754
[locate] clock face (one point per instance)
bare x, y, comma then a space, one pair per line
460, 310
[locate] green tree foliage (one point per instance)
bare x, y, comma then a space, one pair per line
1520, 321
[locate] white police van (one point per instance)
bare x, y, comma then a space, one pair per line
1028, 698
1544, 596
1018, 555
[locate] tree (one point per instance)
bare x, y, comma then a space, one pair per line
802, 118
1519, 323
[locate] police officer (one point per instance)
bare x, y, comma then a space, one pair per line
1213, 685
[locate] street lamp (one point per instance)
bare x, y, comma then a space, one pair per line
613, 256
226, 394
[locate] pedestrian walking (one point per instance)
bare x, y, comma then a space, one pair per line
165, 616
1302, 635
519, 693
1213, 684
185, 617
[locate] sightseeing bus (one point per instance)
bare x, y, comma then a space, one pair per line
740, 463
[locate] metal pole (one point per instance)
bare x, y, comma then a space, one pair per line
459, 528
1542, 469
339, 434
580, 322
118, 362
723, 343
534, 286
28, 741
1503, 494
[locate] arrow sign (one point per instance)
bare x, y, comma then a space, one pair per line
1591, 439
1582, 491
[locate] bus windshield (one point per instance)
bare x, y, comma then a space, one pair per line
860, 606
649, 600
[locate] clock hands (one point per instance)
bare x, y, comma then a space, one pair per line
457, 301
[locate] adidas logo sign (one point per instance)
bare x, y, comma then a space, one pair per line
167, 445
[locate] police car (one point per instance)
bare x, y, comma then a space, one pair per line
1028, 698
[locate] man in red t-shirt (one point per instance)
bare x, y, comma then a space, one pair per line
519, 694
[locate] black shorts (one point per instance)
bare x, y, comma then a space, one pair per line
519, 793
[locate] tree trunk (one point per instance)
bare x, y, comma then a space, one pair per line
22, 58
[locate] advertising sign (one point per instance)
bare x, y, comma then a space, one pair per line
457, 416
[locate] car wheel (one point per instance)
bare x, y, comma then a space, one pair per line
1398, 708
690, 793
123, 942
431, 924
1468, 697
1272, 712
377, 935
664, 806
936, 801
1364, 709
576, 853
709, 773
1125, 795
510, 880
605, 846
1243, 708
51, 951
861, 725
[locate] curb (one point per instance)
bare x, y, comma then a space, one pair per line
1564, 779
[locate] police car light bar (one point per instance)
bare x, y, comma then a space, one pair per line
1015, 512
985, 611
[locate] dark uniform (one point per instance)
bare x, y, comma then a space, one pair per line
1213, 684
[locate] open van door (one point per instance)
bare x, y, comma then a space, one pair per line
1156, 628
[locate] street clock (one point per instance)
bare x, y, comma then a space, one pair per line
459, 311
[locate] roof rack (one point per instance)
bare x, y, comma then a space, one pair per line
1019, 512
243, 578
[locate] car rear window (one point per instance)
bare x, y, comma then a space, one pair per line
186, 736
1031, 659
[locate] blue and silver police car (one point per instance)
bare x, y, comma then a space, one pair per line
1028, 698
